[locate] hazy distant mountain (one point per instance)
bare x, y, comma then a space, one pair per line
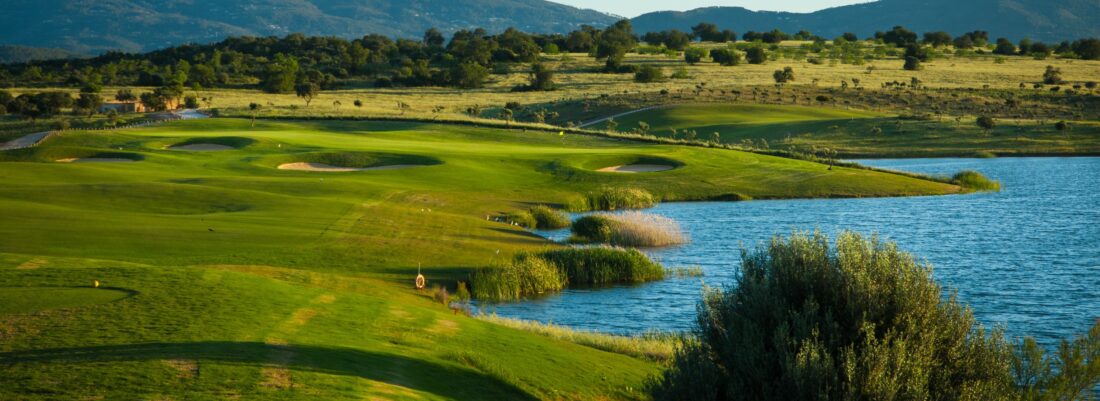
19, 54
93, 26
1044, 20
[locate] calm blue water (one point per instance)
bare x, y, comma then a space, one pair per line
1027, 257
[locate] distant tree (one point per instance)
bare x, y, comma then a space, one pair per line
190, 102
125, 95
937, 39
5, 99
579, 41
1024, 47
280, 74
613, 44
358, 103
433, 38
1062, 126
648, 74
1004, 47
307, 91
542, 77
912, 64
1087, 49
774, 36
783, 76
986, 123
726, 57
917, 51
963, 42
253, 108
756, 55
849, 36
803, 35
88, 102
899, 37
676, 40
469, 75
693, 55
1090, 85
706, 32
1052, 75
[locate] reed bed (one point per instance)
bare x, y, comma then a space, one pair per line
974, 180
617, 198
532, 274
628, 229
547, 218
655, 346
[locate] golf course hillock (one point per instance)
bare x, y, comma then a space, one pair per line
260, 283
213, 144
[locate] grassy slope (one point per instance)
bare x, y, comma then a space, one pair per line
270, 284
850, 131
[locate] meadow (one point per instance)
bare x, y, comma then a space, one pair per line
223, 276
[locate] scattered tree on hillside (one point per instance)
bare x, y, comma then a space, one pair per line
756, 55
1004, 47
307, 91
727, 57
783, 76
937, 39
912, 64
542, 77
280, 74
125, 95
613, 44
986, 123
1052, 76
253, 108
899, 36
648, 74
693, 55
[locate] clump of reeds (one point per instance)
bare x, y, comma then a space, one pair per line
604, 265
617, 198
686, 271
440, 294
529, 274
547, 218
628, 229
974, 180
650, 346
525, 275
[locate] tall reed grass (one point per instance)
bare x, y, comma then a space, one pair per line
616, 198
628, 229
547, 218
654, 346
529, 274
974, 180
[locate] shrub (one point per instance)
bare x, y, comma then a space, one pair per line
648, 74
628, 229
974, 180
615, 198
912, 64
547, 218
1061, 126
756, 55
694, 54
987, 123
461, 292
1052, 75
521, 218
856, 321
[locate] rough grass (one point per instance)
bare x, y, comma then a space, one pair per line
525, 275
658, 347
976, 181
628, 229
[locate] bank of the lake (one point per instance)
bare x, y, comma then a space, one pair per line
1027, 257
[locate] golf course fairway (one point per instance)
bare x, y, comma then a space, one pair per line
246, 281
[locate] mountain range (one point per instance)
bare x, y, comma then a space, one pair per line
1043, 20
95, 26
35, 29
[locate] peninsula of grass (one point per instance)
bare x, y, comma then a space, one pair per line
975, 181
540, 273
258, 283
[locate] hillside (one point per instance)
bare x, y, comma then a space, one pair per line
137, 25
19, 54
1051, 21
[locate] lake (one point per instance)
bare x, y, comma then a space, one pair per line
1027, 257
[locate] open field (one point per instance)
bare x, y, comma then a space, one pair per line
861, 134
239, 279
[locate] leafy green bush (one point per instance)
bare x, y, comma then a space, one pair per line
547, 218
526, 275
858, 321
521, 218
648, 74
594, 228
974, 180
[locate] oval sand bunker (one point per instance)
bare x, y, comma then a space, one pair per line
95, 160
301, 166
201, 147
637, 168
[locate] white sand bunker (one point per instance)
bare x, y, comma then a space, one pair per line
201, 147
637, 168
95, 160
336, 169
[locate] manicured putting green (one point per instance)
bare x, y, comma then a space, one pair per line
33, 299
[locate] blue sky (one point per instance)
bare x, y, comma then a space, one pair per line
633, 8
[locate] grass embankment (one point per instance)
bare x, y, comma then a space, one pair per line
539, 273
628, 229
263, 283
861, 134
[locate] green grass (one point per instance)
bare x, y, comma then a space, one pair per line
532, 274
34, 299
975, 180
263, 283
547, 218
855, 134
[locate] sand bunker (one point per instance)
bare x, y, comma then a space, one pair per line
637, 168
201, 147
94, 160
336, 169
